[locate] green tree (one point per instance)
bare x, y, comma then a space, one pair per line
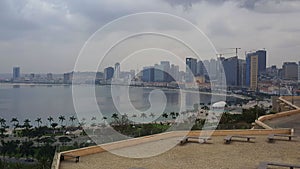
64, 140
44, 156
12, 147
3, 149
27, 149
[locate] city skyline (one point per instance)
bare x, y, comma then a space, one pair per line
52, 33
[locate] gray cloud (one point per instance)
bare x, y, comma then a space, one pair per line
53, 31
264, 6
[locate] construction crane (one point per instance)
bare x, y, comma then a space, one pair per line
221, 54
236, 50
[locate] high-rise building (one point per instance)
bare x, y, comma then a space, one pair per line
242, 72
206, 67
158, 73
16, 73
49, 76
272, 71
117, 71
148, 74
108, 73
290, 71
262, 59
213, 69
32, 76
252, 71
191, 69
200, 68
231, 69
166, 70
68, 77
174, 71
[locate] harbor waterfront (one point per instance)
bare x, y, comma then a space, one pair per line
32, 101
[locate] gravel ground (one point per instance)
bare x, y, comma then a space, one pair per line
217, 155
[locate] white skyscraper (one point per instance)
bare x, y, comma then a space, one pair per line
117, 71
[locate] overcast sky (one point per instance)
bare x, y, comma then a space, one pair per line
47, 35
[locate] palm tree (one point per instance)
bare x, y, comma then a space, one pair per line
165, 115
104, 119
124, 119
50, 119
143, 115
152, 115
61, 120
172, 114
39, 121
82, 122
93, 119
27, 124
2, 122
14, 122
134, 116
115, 116
2, 127
54, 125
72, 119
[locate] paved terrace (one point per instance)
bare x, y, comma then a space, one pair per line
192, 155
217, 155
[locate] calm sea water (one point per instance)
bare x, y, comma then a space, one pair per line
24, 101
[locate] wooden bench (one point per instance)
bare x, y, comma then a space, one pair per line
271, 137
264, 165
229, 138
186, 139
71, 156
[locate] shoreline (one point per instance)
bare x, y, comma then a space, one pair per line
162, 88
